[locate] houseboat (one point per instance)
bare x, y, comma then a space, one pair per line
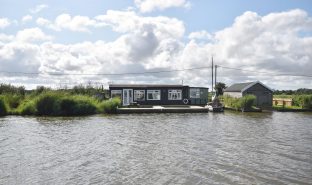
159, 94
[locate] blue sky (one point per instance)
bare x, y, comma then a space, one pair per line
147, 35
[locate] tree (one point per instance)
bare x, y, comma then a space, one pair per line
219, 87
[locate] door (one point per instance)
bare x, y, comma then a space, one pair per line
127, 97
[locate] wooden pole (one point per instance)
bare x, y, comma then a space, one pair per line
212, 74
216, 77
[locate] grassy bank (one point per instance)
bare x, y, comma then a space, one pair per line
55, 103
245, 103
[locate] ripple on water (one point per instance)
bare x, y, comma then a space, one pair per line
229, 148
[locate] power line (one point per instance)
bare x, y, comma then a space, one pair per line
262, 72
106, 74
152, 72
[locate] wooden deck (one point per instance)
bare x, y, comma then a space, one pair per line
163, 109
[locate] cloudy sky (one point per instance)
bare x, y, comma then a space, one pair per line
271, 41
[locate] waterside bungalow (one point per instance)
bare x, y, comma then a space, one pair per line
159, 94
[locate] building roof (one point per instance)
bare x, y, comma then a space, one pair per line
241, 87
145, 85
238, 87
152, 85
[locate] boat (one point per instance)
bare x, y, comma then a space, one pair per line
215, 105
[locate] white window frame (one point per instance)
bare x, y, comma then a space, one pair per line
116, 92
135, 97
197, 91
153, 91
177, 91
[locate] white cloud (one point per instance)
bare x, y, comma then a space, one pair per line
32, 35
4, 22
65, 21
273, 43
151, 5
129, 21
76, 23
200, 35
26, 18
6, 38
38, 8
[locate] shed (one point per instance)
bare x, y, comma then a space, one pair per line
159, 94
264, 94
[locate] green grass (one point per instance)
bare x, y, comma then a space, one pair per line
3, 107
55, 103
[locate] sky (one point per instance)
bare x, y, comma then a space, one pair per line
65, 43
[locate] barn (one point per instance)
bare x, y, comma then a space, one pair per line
159, 94
264, 95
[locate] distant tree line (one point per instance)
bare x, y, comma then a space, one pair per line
293, 92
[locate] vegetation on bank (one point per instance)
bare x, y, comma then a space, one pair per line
47, 102
302, 101
243, 103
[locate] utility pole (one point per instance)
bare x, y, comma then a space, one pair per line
216, 78
212, 74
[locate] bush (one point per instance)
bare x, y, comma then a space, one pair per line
13, 100
74, 106
27, 108
3, 107
61, 104
245, 102
110, 106
48, 104
306, 101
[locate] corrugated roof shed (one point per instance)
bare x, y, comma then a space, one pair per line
238, 87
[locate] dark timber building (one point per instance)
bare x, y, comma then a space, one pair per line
149, 94
264, 95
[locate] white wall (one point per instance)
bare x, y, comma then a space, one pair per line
233, 94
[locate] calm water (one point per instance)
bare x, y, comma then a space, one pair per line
229, 148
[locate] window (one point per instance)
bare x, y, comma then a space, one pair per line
139, 95
153, 94
194, 93
175, 94
116, 93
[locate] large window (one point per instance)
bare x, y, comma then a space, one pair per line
175, 94
116, 93
153, 94
194, 93
139, 95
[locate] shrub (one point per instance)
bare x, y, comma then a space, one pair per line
62, 104
306, 101
74, 106
27, 108
13, 100
110, 106
247, 101
47, 104
3, 107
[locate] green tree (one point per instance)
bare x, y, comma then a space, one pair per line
219, 87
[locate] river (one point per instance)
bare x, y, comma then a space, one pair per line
210, 148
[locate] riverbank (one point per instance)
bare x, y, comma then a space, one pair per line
55, 103
290, 109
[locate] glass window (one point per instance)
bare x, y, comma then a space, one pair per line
194, 93
116, 93
153, 94
175, 94
139, 95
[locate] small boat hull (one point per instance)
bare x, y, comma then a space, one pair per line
215, 109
